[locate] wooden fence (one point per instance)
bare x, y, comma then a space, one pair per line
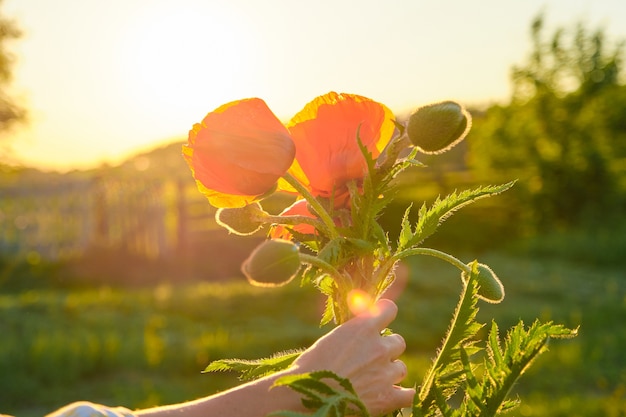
55, 221
109, 224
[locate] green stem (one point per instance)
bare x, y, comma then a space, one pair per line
343, 283
291, 220
431, 252
429, 379
390, 154
317, 207
466, 296
323, 265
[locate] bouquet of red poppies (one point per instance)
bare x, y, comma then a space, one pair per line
340, 157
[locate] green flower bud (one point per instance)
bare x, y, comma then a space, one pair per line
242, 221
436, 128
490, 288
273, 263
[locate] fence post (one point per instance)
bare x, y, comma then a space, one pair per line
101, 222
182, 233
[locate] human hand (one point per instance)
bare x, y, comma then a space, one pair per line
356, 350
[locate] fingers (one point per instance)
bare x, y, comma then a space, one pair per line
399, 370
394, 398
382, 313
395, 345
384, 397
403, 397
381, 394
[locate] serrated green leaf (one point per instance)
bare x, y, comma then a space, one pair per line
402, 165
331, 251
325, 399
326, 284
310, 241
329, 311
493, 346
384, 197
521, 347
356, 199
441, 402
406, 230
379, 234
310, 275
473, 388
256, 368
429, 220
361, 195
310, 386
465, 317
508, 405
371, 163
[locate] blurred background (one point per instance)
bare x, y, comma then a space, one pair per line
116, 285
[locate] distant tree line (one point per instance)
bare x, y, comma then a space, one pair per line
563, 132
10, 111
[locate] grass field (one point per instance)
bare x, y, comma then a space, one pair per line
147, 346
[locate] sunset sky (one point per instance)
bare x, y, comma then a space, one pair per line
105, 79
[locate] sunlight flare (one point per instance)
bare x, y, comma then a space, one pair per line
359, 302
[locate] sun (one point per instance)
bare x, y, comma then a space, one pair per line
181, 61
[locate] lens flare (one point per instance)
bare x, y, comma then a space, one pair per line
359, 301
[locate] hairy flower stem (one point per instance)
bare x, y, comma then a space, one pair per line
466, 296
323, 265
444, 351
431, 252
290, 220
343, 284
392, 151
317, 207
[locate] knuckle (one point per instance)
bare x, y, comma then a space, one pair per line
401, 341
402, 369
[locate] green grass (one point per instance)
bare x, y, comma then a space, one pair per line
584, 376
143, 347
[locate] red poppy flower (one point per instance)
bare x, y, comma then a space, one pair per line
327, 152
241, 149
238, 152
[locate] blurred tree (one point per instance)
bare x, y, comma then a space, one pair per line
563, 134
10, 112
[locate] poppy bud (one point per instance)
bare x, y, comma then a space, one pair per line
273, 263
436, 128
490, 288
242, 221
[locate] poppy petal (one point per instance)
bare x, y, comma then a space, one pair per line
325, 134
241, 149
